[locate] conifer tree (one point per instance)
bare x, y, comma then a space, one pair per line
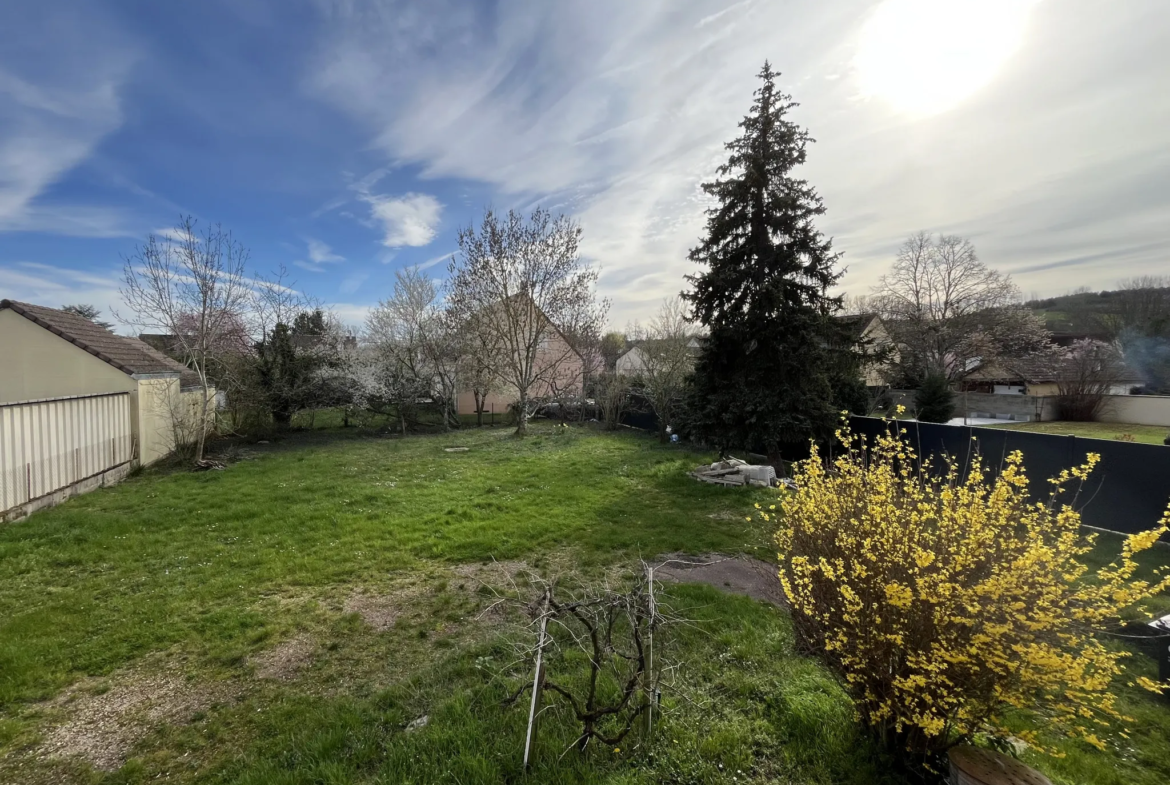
763, 378
934, 401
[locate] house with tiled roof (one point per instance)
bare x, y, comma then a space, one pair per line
78, 402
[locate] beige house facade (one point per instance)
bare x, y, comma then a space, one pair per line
78, 402
560, 371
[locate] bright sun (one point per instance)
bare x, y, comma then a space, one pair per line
926, 56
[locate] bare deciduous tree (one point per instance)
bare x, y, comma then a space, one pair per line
1143, 306
613, 398
667, 356
193, 287
525, 286
443, 347
420, 345
1085, 373
948, 312
586, 340
480, 363
613, 346
397, 332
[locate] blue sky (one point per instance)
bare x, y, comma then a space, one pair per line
347, 139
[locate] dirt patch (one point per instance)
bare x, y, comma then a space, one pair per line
380, 611
286, 660
102, 727
494, 573
736, 574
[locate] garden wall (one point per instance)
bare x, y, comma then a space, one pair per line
1029, 408
1128, 492
1137, 409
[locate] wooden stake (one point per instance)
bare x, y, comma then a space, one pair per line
537, 680
650, 655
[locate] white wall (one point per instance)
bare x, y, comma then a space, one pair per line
1137, 409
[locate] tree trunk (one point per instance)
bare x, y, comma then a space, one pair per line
202, 425
522, 414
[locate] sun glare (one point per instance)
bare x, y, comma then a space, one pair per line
927, 56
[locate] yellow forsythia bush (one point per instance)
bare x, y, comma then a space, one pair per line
945, 600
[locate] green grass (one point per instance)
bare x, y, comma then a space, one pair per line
1146, 434
194, 575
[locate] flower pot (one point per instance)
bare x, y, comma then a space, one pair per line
978, 766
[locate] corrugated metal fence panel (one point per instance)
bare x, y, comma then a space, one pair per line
48, 445
1127, 492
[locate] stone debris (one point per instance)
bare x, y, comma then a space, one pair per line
418, 724
733, 471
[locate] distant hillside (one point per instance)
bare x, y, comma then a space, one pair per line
1088, 312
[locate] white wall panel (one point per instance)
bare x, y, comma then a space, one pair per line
48, 445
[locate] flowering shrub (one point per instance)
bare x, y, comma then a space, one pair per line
945, 600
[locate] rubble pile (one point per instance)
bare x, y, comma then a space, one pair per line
733, 471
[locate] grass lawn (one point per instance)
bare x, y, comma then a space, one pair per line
1147, 434
287, 619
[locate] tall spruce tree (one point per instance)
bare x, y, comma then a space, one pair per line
763, 379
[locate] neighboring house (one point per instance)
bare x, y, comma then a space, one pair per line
563, 381
1040, 379
868, 330
77, 401
633, 362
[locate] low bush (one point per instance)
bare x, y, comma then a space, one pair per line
946, 600
934, 401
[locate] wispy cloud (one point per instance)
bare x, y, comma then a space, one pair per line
60, 100
434, 260
351, 314
352, 283
408, 220
173, 234
54, 286
617, 111
319, 256
613, 111
320, 253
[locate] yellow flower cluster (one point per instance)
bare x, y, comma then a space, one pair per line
945, 598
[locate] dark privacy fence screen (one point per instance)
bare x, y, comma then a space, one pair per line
1127, 492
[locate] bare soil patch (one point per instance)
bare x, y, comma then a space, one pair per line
736, 574
286, 660
101, 725
494, 573
380, 611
